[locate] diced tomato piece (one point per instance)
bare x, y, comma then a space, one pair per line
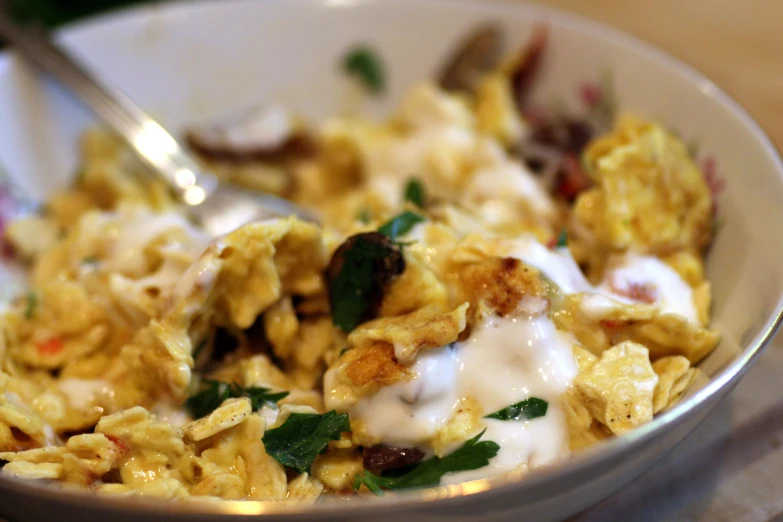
608, 323
642, 292
118, 442
573, 178
51, 346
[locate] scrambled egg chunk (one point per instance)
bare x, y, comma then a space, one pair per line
150, 359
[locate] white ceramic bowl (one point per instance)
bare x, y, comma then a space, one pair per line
188, 62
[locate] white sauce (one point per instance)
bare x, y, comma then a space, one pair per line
506, 360
667, 289
558, 265
269, 415
174, 415
138, 228
663, 284
408, 413
83, 393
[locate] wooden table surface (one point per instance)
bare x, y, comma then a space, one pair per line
731, 467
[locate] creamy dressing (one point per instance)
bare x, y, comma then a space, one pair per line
82, 393
629, 278
650, 280
170, 413
200, 275
506, 182
269, 415
505, 361
133, 232
558, 265
409, 413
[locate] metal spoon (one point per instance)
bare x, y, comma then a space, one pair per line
219, 208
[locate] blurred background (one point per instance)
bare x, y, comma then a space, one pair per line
737, 44
57, 12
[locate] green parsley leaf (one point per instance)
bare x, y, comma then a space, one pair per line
260, 397
524, 410
367, 265
415, 193
366, 65
562, 240
400, 224
303, 436
32, 304
364, 216
211, 396
472, 455
213, 393
368, 479
342, 352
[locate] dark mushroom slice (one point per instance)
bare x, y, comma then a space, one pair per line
478, 54
359, 273
382, 458
528, 63
266, 134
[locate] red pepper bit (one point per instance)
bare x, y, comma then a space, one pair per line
51, 346
642, 292
573, 178
608, 323
121, 446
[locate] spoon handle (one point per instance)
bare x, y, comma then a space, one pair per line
153, 144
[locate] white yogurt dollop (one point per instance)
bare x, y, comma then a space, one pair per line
505, 361
82, 393
648, 279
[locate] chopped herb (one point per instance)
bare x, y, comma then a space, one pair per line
359, 272
213, 393
32, 304
400, 224
364, 216
365, 64
415, 193
90, 260
342, 352
562, 239
260, 397
200, 348
472, 455
524, 410
303, 436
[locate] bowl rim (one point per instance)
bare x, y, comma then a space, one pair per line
724, 380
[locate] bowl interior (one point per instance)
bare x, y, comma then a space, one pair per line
191, 62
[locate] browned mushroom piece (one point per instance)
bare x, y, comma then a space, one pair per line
478, 54
528, 63
265, 134
382, 458
358, 274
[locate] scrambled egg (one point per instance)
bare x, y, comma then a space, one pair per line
130, 306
